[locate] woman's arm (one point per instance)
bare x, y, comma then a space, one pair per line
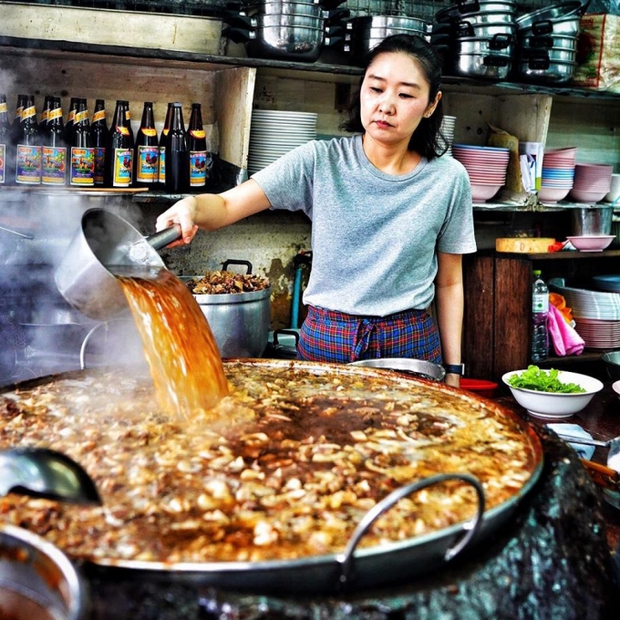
449, 308
213, 211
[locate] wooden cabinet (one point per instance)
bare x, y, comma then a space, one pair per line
498, 301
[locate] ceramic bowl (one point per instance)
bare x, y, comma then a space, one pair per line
612, 364
591, 243
552, 194
482, 193
549, 405
616, 388
590, 197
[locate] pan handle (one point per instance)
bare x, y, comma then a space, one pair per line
345, 559
162, 238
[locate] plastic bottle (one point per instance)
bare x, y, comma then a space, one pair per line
146, 158
82, 171
99, 139
197, 149
5, 140
28, 151
54, 149
540, 314
177, 154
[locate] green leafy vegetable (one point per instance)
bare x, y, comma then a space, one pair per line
543, 381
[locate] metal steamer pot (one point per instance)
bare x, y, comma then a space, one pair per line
37, 580
488, 58
354, 569
240, 322
477, 7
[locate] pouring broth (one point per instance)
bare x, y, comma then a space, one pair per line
179, 345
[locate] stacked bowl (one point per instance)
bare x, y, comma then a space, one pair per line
592, 182
446, 137
558, 172
486, 167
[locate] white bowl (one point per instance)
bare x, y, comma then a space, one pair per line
591, 243
615, 386
552, 404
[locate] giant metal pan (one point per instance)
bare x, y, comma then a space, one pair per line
355, 568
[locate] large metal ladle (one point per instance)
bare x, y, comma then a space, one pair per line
41, 472
104, 245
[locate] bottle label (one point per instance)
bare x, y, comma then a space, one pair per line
99, 164
540, 303
122, 130
149, 131
28, 164
122, 166
162, 164
80, 117
3, 107
53, 165
148, 164
197, 168
53, 114
197, 133
82, 166
2, 160
30, 112
99, 115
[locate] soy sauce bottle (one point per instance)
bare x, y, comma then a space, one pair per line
120, 147
68, 135
197, 149
53, 147
82, 171
177, 154
47, 106
28, 149
16, 125
99, 139
5, 140
147, 150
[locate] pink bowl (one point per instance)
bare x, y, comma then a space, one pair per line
591, 243
482, 193
586, 196
550, 194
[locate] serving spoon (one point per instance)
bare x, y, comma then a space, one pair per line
46, 473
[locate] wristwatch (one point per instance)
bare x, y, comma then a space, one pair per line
455, 369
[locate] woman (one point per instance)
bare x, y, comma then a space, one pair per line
390, 218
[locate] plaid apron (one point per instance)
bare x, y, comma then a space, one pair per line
329, 336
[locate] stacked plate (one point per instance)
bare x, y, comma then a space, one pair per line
609, 283
558, 172
274, 133
599, 334
447, 130
592, 182
486, 167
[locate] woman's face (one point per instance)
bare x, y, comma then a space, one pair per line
394, 98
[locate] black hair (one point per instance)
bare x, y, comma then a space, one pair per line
425, 139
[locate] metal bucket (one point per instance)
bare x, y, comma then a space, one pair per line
591, 220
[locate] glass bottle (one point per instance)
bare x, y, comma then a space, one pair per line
5, 140
54, 149
99, 139
540, 314
177, 154
16, 125
147, 149
197, 149
47, 106
70, 120
82, 171
119, 150
28, 150
162, 148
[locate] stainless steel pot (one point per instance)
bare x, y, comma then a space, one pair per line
551, 14
467, 28
104, 243
475, 7
591, 220
493, 66
37, 581
561, 41
538, 67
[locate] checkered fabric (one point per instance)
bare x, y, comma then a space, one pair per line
329, 336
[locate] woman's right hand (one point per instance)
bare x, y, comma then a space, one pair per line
182, 213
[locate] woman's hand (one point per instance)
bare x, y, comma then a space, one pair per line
182, 213
453, 380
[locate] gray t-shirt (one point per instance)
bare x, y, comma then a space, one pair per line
374, 235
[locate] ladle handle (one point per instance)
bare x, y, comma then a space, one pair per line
162, 238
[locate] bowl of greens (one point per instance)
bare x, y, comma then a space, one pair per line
551, 393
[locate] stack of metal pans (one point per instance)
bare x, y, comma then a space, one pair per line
547, 43
480, 35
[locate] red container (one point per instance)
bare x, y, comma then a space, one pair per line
479, 386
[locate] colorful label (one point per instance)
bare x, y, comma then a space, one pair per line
197, 168
99, 115
162, 164
123, 160
81, 116
29, 113
82, 165
148, 164
28, 164
2, 162
53, 165
3, 107
53, 114
99, 164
